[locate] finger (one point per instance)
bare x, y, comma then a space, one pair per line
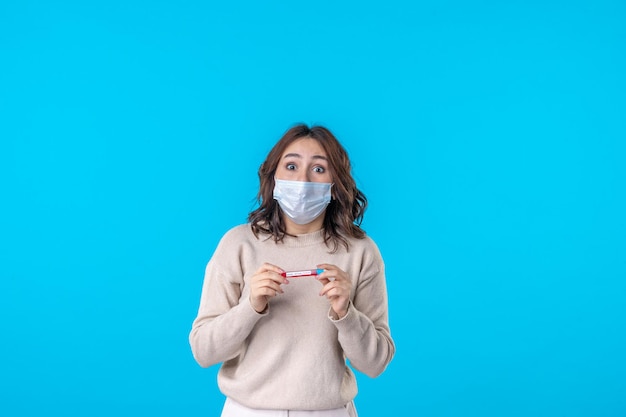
331, 272
269, 292
327, 267
328, 275
269, 267
271, 285
271, 275
275, 277
336, 293
329, 288
323, 280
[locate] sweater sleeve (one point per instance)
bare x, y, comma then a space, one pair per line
223, 322
364, 332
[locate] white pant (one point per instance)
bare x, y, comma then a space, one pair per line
233, 409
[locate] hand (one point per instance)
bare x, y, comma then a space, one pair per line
265, 284
337, 287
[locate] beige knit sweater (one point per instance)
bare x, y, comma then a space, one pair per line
293, 356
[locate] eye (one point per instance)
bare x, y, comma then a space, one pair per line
290, 166
319, 169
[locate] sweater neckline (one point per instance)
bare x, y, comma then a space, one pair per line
306, 239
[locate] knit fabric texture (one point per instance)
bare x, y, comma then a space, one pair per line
294, 355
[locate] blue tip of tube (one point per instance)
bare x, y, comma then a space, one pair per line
319, 271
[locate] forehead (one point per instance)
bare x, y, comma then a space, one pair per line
305, 147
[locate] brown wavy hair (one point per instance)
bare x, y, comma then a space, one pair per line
345, 211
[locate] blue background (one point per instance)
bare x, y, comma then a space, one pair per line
488, 136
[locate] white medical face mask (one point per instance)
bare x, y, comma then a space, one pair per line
300, 200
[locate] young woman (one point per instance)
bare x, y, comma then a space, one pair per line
290, 297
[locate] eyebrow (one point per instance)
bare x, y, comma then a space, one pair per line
297, 155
